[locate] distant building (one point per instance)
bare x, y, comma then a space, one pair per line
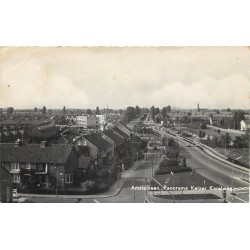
245, 125
91, 122
6, 186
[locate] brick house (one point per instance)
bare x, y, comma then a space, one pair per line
6, 186
99, 149
123, 128
40, 165
121, 134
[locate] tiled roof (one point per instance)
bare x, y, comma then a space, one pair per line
124, 125
34, 153
110, 134
120, 132
84, 162
97, 140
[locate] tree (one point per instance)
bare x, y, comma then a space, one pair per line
228, 138
88, 112
130, 114
64, 110
168, 109
152, 112
137, 110
35, 109
164, 112
44, 110
239, 115
10, 110
97, 112
157, 111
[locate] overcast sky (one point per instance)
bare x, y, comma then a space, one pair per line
216, 77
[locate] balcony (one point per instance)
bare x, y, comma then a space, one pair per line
14, 170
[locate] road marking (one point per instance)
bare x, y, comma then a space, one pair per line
240, 199
214, 168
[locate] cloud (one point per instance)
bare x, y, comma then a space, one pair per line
90, 77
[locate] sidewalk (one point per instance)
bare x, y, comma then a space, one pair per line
113, 190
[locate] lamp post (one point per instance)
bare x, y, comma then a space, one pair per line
57, 177
137, 160
173, 185
232, 175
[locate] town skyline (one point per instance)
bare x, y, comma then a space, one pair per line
126, 76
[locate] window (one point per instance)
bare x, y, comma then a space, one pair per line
14, 166
41, 168
69, 178
16, 178
28, 165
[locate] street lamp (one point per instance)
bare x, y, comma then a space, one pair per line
232, 175
137, 160
173, 185
57, 177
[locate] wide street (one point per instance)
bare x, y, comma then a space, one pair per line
221, 173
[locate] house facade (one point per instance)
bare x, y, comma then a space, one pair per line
6, 186
40, 165
245, 125
100, 150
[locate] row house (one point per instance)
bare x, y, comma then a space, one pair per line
41, 165
125, 137
124, 129
100, 150
6, 186
113, 138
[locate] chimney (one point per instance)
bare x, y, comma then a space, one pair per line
44, 144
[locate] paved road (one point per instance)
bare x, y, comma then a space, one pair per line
215, 170
139, 179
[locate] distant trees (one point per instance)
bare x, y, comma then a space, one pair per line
44, 110
97, 112
35, 109
10, 110
88, 112
238, 116
152, 112
64, 110
137, 110
157, 111
164, 112
129, 114
168, 109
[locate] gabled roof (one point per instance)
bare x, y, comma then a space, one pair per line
110, 134
34, 153
97, 140
5, 170
124, 135
84, 162
124, 125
